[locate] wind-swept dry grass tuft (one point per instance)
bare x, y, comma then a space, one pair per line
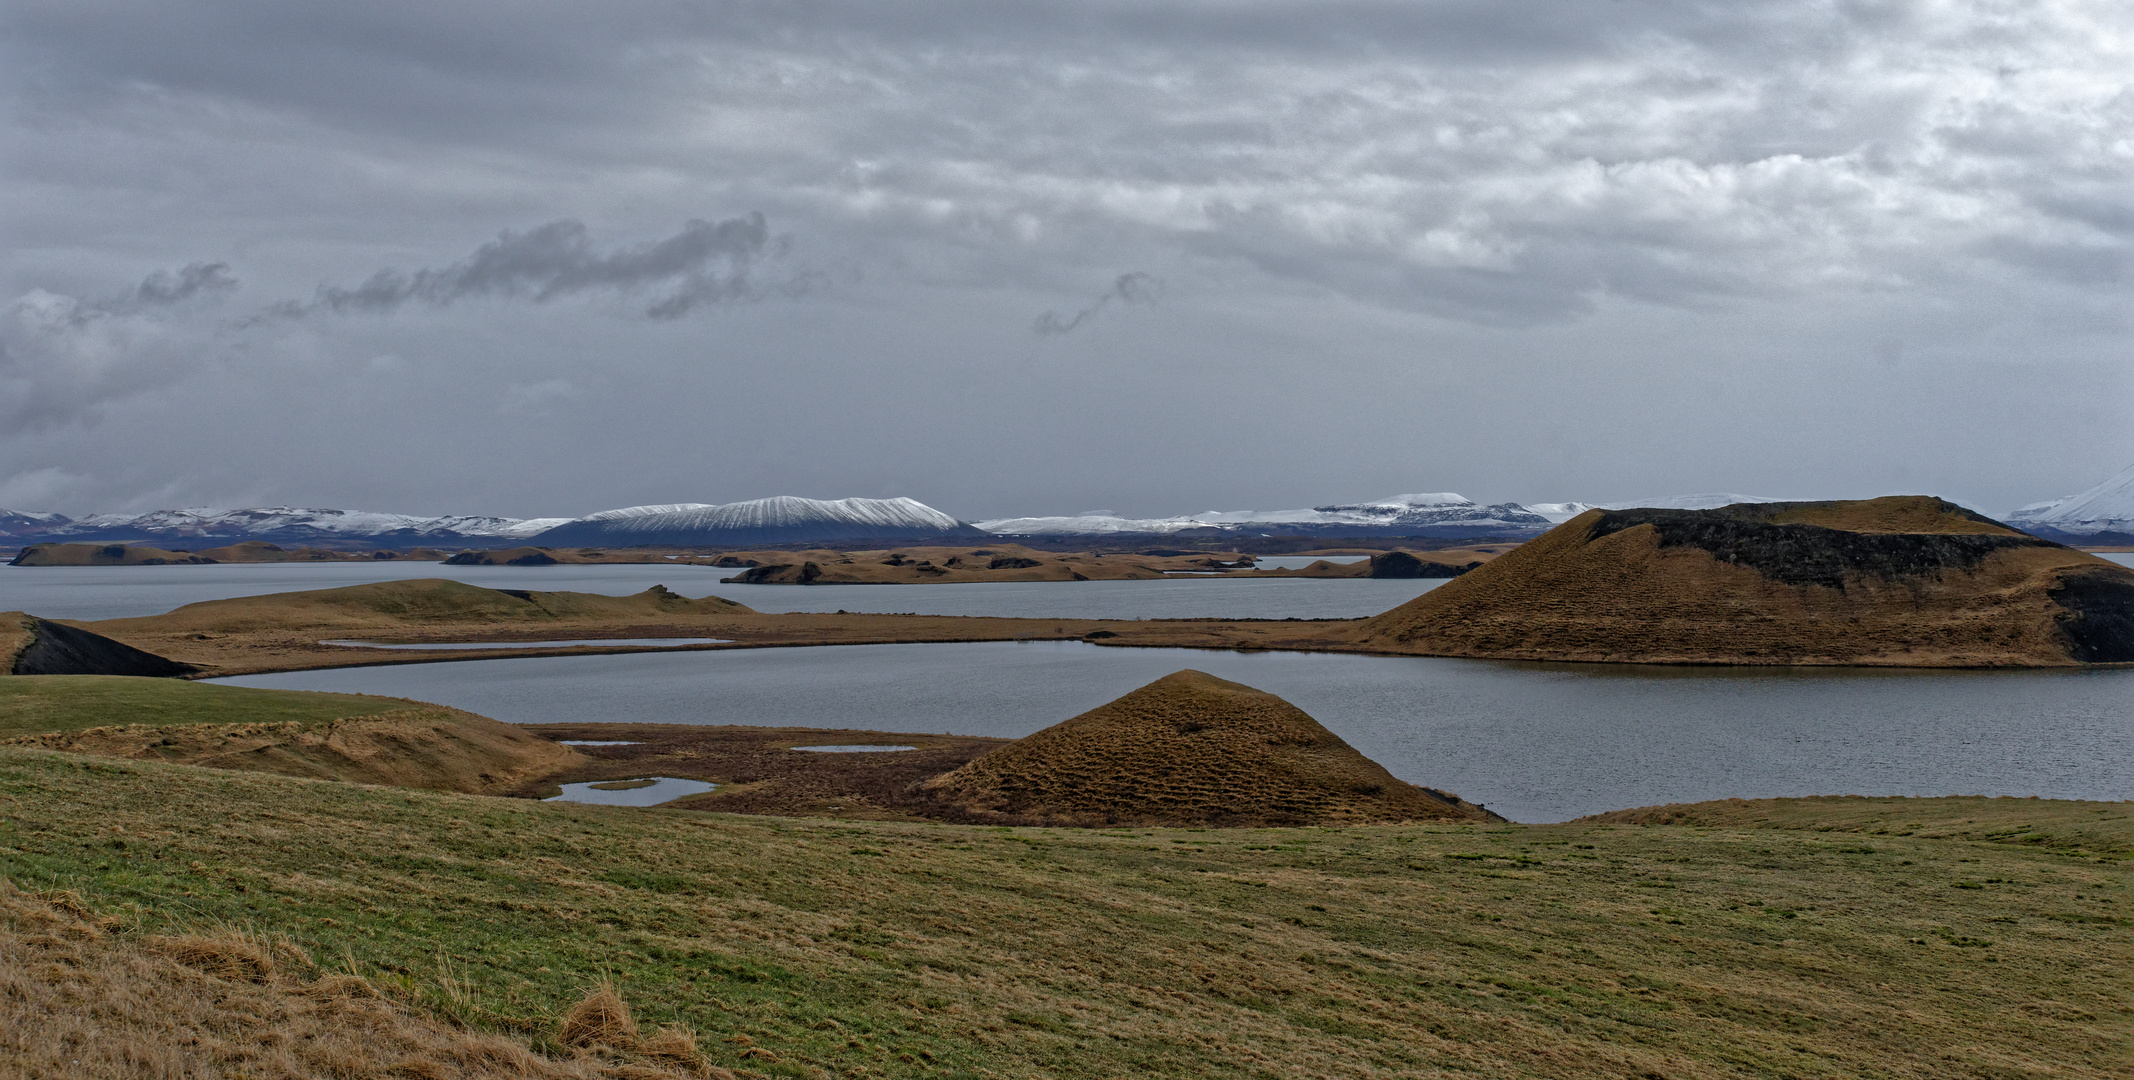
599, 1019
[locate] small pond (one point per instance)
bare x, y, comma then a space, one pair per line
645, 791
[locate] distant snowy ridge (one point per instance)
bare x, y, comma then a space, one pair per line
290, 524
1558, 512
782, 519
1442, 512
1705, 501
634, 511
2108, 507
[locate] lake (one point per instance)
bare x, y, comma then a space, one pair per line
1535, 742
114, 592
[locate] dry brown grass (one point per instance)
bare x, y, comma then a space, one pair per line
82, 997
599, 1019
1191, 749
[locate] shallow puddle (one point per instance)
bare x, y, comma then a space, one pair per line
643, 791
611, 642
597, 742
855, 748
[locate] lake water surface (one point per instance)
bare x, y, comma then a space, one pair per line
1535, 742
114, 592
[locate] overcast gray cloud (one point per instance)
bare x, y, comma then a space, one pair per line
1710, 219
62, 358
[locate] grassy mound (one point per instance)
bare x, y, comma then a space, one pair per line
1190, 749
347, 737
1909, 581
921, 949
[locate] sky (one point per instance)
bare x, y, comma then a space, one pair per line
1145, 256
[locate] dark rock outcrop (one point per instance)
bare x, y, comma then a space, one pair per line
2100, 628
1812, 554
1400, 564
59, 649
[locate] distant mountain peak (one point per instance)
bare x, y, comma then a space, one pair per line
2106, 507
779, 519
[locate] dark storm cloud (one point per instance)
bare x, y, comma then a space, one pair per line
705, 261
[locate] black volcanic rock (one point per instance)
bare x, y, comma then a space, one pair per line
58, 649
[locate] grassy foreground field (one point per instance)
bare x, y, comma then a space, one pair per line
1843, 937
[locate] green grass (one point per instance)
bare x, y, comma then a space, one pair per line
1806, 946
35, 704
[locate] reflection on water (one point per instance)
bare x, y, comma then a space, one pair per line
660, 789
113, 592
609, 642
1299, 562
854, 748
1536, 742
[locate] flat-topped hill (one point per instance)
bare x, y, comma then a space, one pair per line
393, 604
1191, 749
1898, 581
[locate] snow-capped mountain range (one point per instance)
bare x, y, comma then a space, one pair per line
280, 524
784, 519
1433, 513
2106, 508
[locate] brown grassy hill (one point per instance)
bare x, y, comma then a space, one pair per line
1898, 581
101, 555
1191, 749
